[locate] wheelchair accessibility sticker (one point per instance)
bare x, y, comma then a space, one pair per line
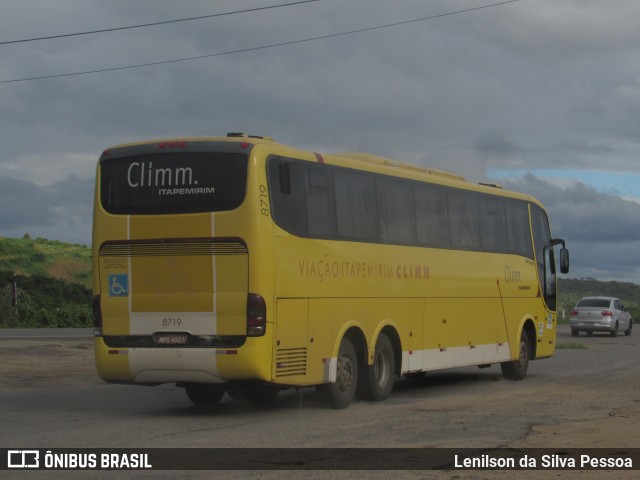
118, 285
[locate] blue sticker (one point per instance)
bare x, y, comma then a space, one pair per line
118, 285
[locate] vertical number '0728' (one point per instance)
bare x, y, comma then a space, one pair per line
264, 201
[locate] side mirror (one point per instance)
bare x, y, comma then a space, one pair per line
564, 254
564, 260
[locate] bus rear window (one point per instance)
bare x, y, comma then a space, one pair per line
186, 182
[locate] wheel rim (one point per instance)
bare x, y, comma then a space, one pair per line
346, 373
524, 354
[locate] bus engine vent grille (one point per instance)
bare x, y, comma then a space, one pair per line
149, 248
291, 361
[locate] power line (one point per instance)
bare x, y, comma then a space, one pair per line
253, 49
115, 29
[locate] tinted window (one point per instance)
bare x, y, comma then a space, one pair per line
493, 225
464, 220
319, 201
356, 212
184, 182
594, 303
518, 232
289, 195
432, 216
397, 216
324, 201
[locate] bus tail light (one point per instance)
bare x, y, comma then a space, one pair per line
97, 316
256, 315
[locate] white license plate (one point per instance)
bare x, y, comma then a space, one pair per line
171, 339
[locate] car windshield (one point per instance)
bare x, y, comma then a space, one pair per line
594, 302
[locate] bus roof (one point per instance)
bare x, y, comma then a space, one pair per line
349, 160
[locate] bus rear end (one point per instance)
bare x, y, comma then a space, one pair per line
172, 297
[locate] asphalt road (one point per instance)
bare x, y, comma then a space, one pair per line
46, 332
467, 407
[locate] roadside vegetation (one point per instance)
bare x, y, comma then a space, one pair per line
571, 290
44, 283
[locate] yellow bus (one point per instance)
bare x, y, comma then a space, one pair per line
239, 265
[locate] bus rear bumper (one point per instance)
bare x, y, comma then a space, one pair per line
150, 366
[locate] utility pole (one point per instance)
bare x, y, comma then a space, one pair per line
14, 290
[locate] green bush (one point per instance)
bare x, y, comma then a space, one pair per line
44, 302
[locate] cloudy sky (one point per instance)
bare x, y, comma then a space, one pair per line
542, 96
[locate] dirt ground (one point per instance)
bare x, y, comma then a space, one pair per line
37, 364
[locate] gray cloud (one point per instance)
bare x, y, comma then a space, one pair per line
602, 230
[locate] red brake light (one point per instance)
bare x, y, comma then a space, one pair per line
175, 144
256, 315
606, 313
574, 313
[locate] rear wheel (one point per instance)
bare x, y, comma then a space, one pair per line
627, 332
204, 393
614, 332
376, 381
517, 369
341, 393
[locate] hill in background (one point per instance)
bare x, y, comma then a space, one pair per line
44, 283
48, 258
571, 290
54, 285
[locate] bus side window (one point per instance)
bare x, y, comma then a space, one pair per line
493, 225
288, 199
319, 198
464, 220
396, 211
355, 205
518, 231
432, 216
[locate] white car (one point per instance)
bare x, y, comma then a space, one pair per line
600, 314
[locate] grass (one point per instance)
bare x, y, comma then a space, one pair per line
51, 258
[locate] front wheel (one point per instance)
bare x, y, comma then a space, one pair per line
341, 393
204, 393
517, 369
376, 381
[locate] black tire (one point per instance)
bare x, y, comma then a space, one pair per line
376, 381
204, 393
574, 332
627, 332
517, 369
614, 332
341, 393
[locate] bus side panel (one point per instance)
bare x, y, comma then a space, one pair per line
290, 361
518, 311
463, 331
112, 365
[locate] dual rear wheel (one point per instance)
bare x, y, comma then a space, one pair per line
372, 382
